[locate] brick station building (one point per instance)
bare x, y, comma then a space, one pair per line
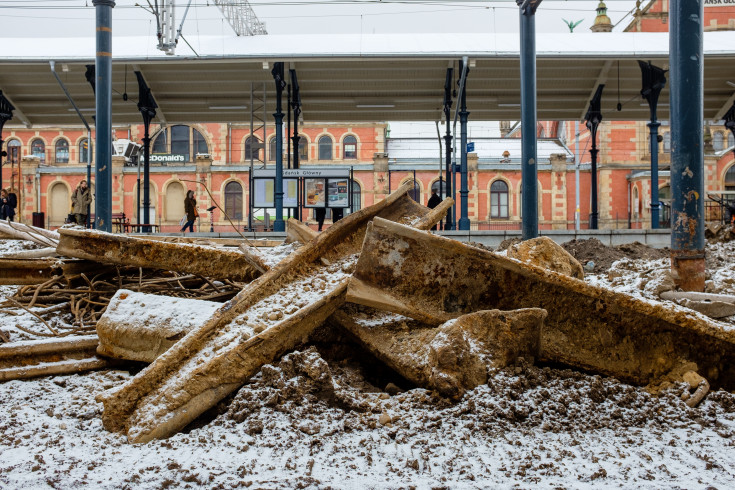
45, 164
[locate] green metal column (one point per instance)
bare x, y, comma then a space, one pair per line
687, 152
103, 119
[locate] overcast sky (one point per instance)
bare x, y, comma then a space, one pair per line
51, 18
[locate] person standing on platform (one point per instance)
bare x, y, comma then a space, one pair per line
434, 201
190, 207
7, 209
81, 198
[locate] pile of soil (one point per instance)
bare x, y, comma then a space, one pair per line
593, 250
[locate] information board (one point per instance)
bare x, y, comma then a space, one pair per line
337, 194
315, 190
264, 196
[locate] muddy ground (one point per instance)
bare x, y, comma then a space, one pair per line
330, 416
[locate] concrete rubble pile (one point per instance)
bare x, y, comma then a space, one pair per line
442, 314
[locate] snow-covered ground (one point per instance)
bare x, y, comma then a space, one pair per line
323, 417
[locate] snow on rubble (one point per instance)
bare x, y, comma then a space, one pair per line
329, 415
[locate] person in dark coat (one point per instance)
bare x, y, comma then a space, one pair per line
337, 214
7, 206
319, 215
190, 207
434, 201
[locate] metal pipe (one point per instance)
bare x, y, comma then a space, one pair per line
103, 120
687, 153
529, 169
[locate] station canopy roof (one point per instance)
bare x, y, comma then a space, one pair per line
355, 78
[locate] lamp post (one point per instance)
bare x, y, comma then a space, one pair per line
448, 141
593, 118
6, 114
147, 107
279, 224
653, 82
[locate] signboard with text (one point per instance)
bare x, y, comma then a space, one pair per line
337, 194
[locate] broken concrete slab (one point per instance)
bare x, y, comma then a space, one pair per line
453, 357
545, 252
434, 279
108, 248
140, 327
267, 318
711, 305
33, 358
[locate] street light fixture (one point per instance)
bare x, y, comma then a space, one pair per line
654, 80
147, 107
593, 118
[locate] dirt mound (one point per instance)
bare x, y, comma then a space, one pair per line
593, 250
523, 396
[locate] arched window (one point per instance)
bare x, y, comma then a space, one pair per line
38, 149
252, 148
498, 199
730, 179
440, 187
83, 154
415, 191
349, 145
199, 143
272, 150
303, 149
325, 148
667, 142
180, 140
160, 144
664, 193
730, 140
233, 200
14, 152
356, 197
62, 151
718, 141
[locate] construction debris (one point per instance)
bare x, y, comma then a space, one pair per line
23, 360
453, 357
108, 248
40, 236
712, 305
545, 253
267, 318
140, 327
434, 279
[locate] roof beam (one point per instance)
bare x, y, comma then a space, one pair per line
726, 107
17, 112
601, 78
159, 113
